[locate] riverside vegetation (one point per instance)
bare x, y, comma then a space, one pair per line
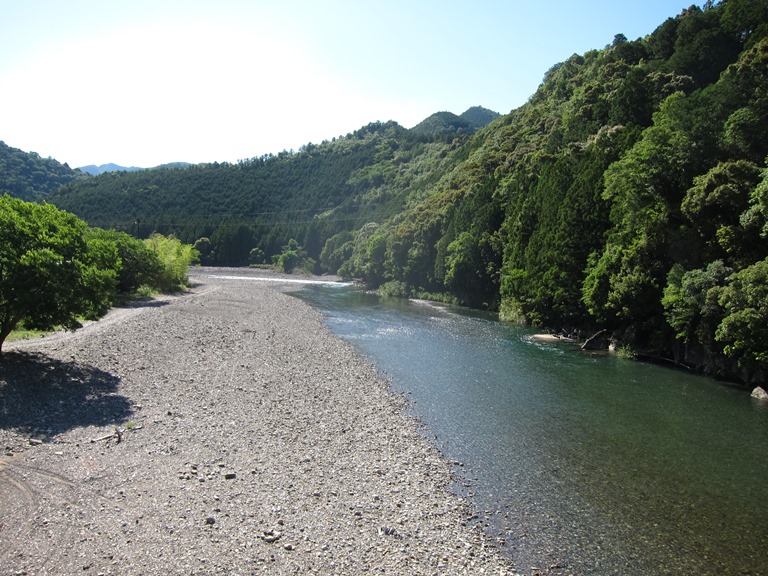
55, 270
629, 193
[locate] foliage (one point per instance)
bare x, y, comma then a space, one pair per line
691, 301
311, 195
444, 124
394, 289
337, 250
478, 117
744, 328
51, 272
293, 257
140, 264
175, 259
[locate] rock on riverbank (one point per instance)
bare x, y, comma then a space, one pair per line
223, 431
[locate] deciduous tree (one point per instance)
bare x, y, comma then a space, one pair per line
51, 274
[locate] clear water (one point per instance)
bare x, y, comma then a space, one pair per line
576, 463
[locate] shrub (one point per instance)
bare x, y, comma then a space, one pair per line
175, 259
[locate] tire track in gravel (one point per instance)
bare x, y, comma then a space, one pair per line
25, 507
42, 512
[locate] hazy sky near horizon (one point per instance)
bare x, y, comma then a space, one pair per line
147, 82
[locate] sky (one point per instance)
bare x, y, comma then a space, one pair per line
147, 82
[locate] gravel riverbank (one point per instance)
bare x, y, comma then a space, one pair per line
223, 431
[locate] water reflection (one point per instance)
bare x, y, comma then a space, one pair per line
583, 464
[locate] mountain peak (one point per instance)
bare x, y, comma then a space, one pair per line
479, 117
442, 123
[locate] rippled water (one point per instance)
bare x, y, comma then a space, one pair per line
578, 463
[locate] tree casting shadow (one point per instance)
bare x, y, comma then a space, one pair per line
43, 396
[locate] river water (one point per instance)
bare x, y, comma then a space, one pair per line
576, 463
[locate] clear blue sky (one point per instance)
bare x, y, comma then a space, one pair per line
145, 82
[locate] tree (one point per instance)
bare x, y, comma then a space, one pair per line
293, 256
337, 249
743, 17
256, 256
691, 301
205, 249
50, 272
139, 264
715, 202
744, 329
623, 284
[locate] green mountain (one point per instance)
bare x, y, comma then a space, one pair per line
322, 190
442, 124
629, 194
449, 124
27, 176
479, 117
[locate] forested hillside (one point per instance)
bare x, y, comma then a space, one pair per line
27, 176
246, 212
630, 194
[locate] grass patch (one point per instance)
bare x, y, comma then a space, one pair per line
144, 291
27, 334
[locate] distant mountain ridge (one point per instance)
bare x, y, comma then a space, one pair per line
94, 170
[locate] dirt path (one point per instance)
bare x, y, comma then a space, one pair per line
224, 431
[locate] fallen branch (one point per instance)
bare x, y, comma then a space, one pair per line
118, 433
107, 437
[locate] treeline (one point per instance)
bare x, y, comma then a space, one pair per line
630, 194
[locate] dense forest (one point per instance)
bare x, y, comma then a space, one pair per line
28, 176
247, 211
629, 194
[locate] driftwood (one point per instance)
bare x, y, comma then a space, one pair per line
597, 341
107, 437
118, 434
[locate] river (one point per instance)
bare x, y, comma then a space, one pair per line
575, 463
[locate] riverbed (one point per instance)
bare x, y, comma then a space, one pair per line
222, 431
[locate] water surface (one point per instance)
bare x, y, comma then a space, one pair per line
576, 463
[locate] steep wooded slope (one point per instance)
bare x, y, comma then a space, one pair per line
629, 193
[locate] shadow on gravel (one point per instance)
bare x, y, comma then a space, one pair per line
42, 397
143, 303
